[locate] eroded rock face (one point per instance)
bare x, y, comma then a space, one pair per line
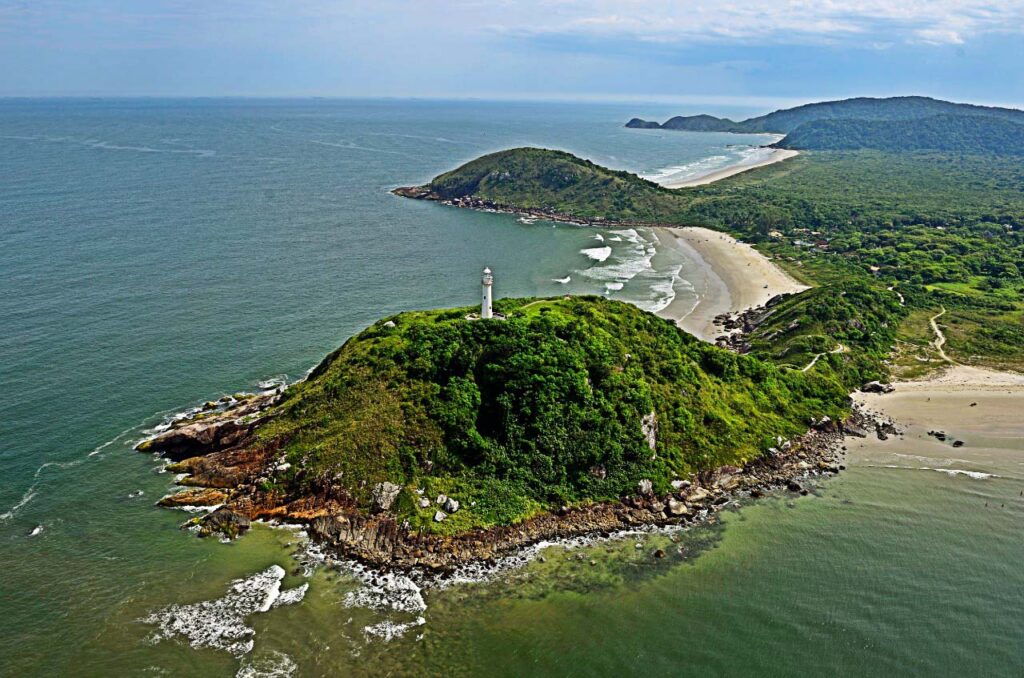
384, 495
210, 431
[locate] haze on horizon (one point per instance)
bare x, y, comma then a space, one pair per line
766, 53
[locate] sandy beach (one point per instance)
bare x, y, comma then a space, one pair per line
778, 155
955, 398
964, 422
733, 277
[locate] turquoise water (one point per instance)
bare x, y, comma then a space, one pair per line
156, 254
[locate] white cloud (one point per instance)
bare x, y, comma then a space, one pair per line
763, 21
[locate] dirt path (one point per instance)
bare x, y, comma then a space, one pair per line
940, 338
814, 361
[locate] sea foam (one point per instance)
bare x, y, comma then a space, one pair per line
221, 623
597, 253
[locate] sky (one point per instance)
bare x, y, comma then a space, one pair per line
713, 52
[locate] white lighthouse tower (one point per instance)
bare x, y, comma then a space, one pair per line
485, 304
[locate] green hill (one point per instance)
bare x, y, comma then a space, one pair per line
542, 179
954, 133
568, 400
861, 108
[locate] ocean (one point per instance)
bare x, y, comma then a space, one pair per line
160, 253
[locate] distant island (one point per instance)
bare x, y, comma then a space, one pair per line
891, 124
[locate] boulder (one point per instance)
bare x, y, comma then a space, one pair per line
877, 387
793, 486
440, 516
224, 521
677, 508
424, 502
697, 495
384, 495
450, 505
854, 430
645, 487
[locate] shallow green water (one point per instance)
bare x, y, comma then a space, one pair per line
157, 254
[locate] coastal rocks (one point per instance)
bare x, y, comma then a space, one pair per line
877, 387
645, 487
384, 495
677, 508
698, 495
209, 431
854, 430
224, 521
197, 438
194, 497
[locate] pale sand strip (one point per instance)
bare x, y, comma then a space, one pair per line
778, 155
962, 401
733, 277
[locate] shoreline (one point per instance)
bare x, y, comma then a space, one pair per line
218, 479
777, 155
735, 278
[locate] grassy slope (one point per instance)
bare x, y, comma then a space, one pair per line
944, 229
513, 415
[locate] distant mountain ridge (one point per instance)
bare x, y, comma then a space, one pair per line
948, 133
861, 108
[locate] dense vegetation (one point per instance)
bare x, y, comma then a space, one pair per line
861, 108
956, 133
552, 405
943, 229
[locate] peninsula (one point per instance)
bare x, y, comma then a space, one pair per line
436, 438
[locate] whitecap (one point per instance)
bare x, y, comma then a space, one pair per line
385, 591
30, 493
597, 253
36, 531
221, 623
613, 286
389, 630
977, 475
275, 665
663, 291
562, 281
598, 236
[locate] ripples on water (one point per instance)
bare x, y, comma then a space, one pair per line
158, 254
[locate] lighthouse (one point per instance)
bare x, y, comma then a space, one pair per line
487, 282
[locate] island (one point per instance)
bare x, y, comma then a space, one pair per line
436, 438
